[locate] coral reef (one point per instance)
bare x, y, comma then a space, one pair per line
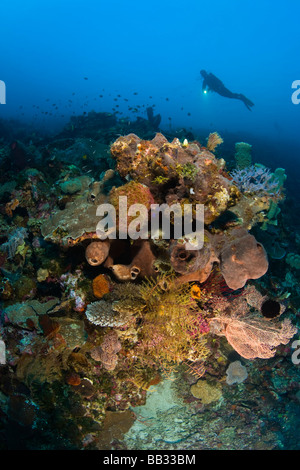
90, 328
175, 172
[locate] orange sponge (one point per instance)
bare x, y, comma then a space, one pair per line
100, 286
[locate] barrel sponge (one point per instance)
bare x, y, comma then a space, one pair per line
243, 154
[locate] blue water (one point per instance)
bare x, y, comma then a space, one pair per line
155, 49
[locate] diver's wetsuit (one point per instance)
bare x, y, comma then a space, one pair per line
212, 83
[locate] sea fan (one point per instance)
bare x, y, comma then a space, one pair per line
251, 335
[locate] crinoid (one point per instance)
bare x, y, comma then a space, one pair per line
197, 369
144, 377
169, 332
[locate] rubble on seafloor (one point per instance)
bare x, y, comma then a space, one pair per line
110, 341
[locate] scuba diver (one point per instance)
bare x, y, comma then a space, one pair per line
212, 83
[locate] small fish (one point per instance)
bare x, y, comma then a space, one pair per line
85, 78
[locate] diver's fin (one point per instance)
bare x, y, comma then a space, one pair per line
248, 103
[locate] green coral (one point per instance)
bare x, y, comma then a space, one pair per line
293, 260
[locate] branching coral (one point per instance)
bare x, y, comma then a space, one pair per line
256, 179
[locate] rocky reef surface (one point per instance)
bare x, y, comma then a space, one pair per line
145, 342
